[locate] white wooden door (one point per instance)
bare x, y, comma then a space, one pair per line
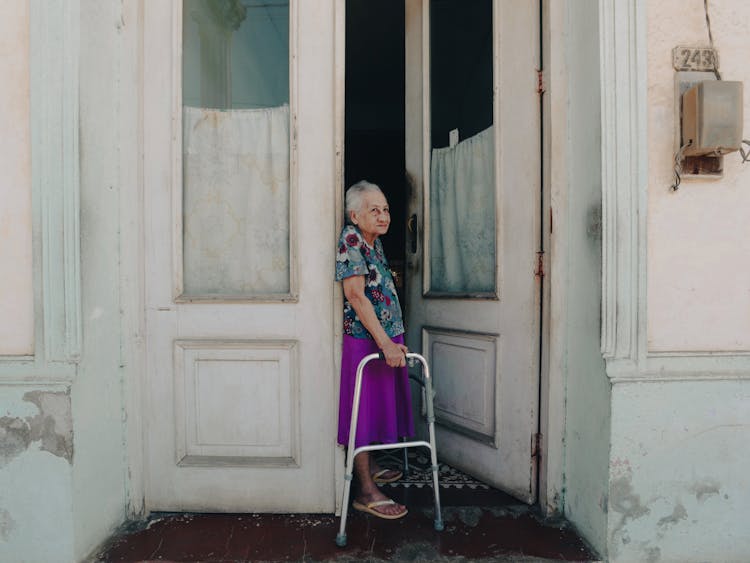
472, 297
239, 390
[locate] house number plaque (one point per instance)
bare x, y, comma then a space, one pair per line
700, 59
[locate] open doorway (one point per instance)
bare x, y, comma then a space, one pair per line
422, 84
374, 118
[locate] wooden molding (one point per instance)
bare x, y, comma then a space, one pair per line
55, 173
624, 177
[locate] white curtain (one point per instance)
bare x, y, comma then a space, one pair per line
462, 216
236, 201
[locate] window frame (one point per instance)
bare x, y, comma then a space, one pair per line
178, 273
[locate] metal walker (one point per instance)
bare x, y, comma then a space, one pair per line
426, 382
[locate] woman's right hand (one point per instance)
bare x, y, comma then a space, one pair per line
395, 354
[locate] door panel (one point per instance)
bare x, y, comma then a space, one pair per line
467, 404
479, 329
240, 370
217, 384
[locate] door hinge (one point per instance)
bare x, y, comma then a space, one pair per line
540, 86
536, 446
539, 273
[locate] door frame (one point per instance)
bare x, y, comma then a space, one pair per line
551, 397
339, 73
551, 407
551, 394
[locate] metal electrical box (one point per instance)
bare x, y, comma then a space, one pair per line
712, 118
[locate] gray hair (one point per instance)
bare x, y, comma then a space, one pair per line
354, 197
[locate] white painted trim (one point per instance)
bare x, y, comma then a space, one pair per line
699, 354
176, 141
622, 32
339, 112
552, 385
54, 123
32, 373
132, 253
177, 184
684, 367
294, 177
498, 95
424, 8
623, 28
51, 384
55, 174
647, 376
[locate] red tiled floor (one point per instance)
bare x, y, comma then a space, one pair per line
480, 525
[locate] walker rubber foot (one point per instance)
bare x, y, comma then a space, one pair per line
439, 526
341, 540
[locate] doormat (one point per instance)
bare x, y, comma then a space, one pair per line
420, 471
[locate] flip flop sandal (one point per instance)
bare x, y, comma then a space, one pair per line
379, 478
370, 509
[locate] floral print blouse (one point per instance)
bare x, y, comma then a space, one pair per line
357, 258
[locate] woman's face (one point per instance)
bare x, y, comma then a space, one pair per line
374, 216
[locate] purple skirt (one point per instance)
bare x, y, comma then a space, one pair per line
385, 402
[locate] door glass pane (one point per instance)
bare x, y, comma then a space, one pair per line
235, 147
462, 170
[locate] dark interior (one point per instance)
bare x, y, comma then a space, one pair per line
461, 92
460, 68
374, 140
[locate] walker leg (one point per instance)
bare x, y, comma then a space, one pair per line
435, 482
406, 459
439, 526
341, 536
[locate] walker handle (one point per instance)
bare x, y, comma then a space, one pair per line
381, 355
409, 356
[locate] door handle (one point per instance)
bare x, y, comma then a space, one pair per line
412, 225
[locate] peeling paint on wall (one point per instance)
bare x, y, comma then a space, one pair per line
678, 480
15, 437
678, 513
653, 554
705, 489
624, 501
7, 524
52, 426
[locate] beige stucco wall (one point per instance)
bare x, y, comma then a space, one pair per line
699, 236
678, 471
16, 290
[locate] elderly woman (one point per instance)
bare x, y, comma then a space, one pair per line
372, 323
